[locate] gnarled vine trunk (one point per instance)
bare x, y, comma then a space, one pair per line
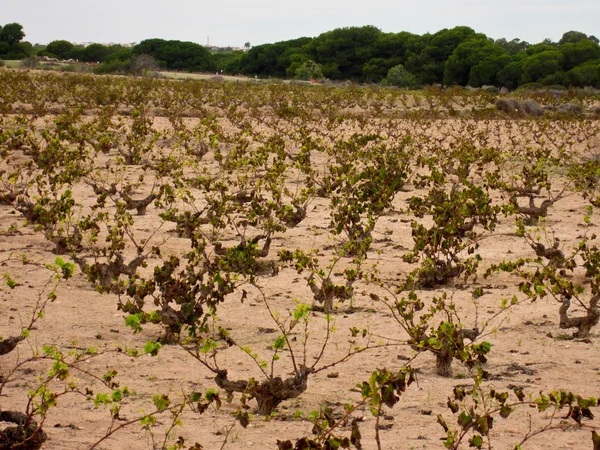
25, 435
584, 324
270, 393
443, 363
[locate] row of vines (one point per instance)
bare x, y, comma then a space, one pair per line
264, 239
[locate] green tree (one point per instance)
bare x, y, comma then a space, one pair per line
309, 70
12, 33
510, 75
512, 47
119, 53
541, 47
434, 56
376, 69
273, 59
296, 59
576, 53
228, 62
60, 49
177, 55
26, 47
94, 52
11, 46
483, 73
292, 57
572, 37
587, 74
487, 70
541, 65
395, 45
400, 77
468, 55
262, 60
344, 51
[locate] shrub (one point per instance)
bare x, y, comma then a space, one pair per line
570, 108
29, 63
400, 77
144, 65
74, 68
509, 105
116, 66
309, 70
532, 108
530, 87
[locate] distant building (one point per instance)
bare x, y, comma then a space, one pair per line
108, 44
216, 48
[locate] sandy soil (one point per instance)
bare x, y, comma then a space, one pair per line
529, 350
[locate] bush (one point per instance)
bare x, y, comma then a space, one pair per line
115, 66
2, 63
509, 105
74, 68
144, 65
532, 108
570, 108
528, 87
29, 63
309, 70
400, 77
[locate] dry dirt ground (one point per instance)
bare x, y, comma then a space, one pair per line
529, 350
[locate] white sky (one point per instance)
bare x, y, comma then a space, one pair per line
233, 22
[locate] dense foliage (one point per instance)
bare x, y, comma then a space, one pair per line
11, 45
457, 56
450, 56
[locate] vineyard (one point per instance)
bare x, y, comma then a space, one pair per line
204, 264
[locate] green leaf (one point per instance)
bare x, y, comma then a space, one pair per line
148, 422
161, 401
208, 346
505, 411
279, 343
117, 396
464, 420
476, 441
133, 321
152, 348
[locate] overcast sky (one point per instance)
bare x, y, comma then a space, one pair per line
234, 22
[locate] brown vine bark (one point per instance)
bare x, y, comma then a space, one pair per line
270, 393
533, 212
584, 324
25, 435
444, 357
8, 345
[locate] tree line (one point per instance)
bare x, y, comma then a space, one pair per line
457, 56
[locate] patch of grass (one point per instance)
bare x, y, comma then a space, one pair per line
12, 63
